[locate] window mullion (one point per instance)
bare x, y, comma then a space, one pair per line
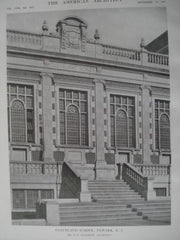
127, 130
25, 193
80, 128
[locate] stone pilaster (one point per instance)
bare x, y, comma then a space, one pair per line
103, 171
46, 80
145, 123
99, 111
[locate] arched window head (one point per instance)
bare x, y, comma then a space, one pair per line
162, 124
18, 127
122, 120
73, 125
164, 132
121, 129
73, 113
21, 113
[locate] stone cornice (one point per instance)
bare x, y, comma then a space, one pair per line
32, 53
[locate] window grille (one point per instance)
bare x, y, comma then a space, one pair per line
47, 194
160, 192
122, 121
27, 198
32, 198
18, 199
162, 124
18, 122
21, 113
73, 113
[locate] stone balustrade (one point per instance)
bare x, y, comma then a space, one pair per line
121, 52
153, 170
156, 58
135, 179
35, 168
52, 43
24, 39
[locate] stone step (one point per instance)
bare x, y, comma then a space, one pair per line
106, 217
149, 204
107, 181
164, 219
108, 185
156, 214
128, 222
111, 197
111, 190
127, 193
151, 208
127, 202
94, 212
94, 207
114, 183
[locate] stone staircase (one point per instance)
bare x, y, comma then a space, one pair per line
98, 214
156, 210
113, 191
114, 203
109, 206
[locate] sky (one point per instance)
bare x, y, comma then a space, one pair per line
118, 27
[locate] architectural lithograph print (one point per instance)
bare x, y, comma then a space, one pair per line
88, 96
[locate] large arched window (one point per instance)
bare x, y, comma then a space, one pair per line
18, 126
122, 120
121, 128
164, 132
21, 113
162, 125
73, 112
73, 125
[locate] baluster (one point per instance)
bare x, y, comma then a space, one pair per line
149, 56
166, 170
161, 60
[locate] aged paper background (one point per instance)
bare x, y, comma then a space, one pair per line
159, 232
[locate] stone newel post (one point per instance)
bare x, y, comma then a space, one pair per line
47, 115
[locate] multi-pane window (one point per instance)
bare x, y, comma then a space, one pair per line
21, 113
27, 198
122, 121
73, 113
162, 124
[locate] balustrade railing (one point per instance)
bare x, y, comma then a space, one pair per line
153, 170
23, 38
35, 168
158, 58
51, 42
135, 179
121, 52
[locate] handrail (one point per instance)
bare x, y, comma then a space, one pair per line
135, 179
22, 32
132, 54
153, 169
35, 168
